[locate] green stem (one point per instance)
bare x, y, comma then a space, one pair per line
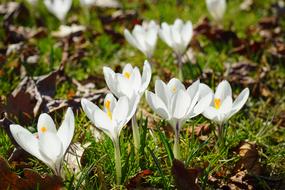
118, 161
136, 134
176, 147
180, 67
221, 135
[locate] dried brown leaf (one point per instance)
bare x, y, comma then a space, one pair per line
136, 181
30, 180
185, 178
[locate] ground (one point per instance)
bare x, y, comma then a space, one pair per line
247, 49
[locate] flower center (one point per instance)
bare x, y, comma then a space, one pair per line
174, 89
43, 129
108, 108
127, 75
217, 103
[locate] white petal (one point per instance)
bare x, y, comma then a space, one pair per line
226, 105
187, 33
151, 38
193, 89
121, 111
130, 38
204, 90
102, 121
146, 76
66, 130
211, 113
51, 146
109, 75
223, 90
178, 23
163, 92
139, 35
88, 107
157, 105
165, 34
240, 101
136, 80
216, 8
180, 104
113, 101
124, 86
202, 104
128, 68
175, 85
45, 123
26, 140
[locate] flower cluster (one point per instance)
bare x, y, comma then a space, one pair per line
172, 101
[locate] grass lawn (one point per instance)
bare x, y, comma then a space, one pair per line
248, 53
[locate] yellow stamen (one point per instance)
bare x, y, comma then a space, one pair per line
217, 103
108, 108
174, 89
108, 104
43, 129
127, 75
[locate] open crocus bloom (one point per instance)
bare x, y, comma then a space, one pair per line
114, 116
130, 82
48, 145
143, 37
216, 8
176, 36
176, 104
59, 8
222, 106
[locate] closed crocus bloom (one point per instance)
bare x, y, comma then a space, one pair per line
176, 104
111, 120
49, 145
59, 8
143, 37
222, 106
114, 116
177, 36
216, 8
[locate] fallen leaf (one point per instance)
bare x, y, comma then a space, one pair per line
185, 178
136, 181
30, 180
26, 100
249, 158
241, 73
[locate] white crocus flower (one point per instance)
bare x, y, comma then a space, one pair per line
222, 106
216, 8
59, 8
49, 145
132, 84
176, 104
143, 37
111, 120
177, 36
